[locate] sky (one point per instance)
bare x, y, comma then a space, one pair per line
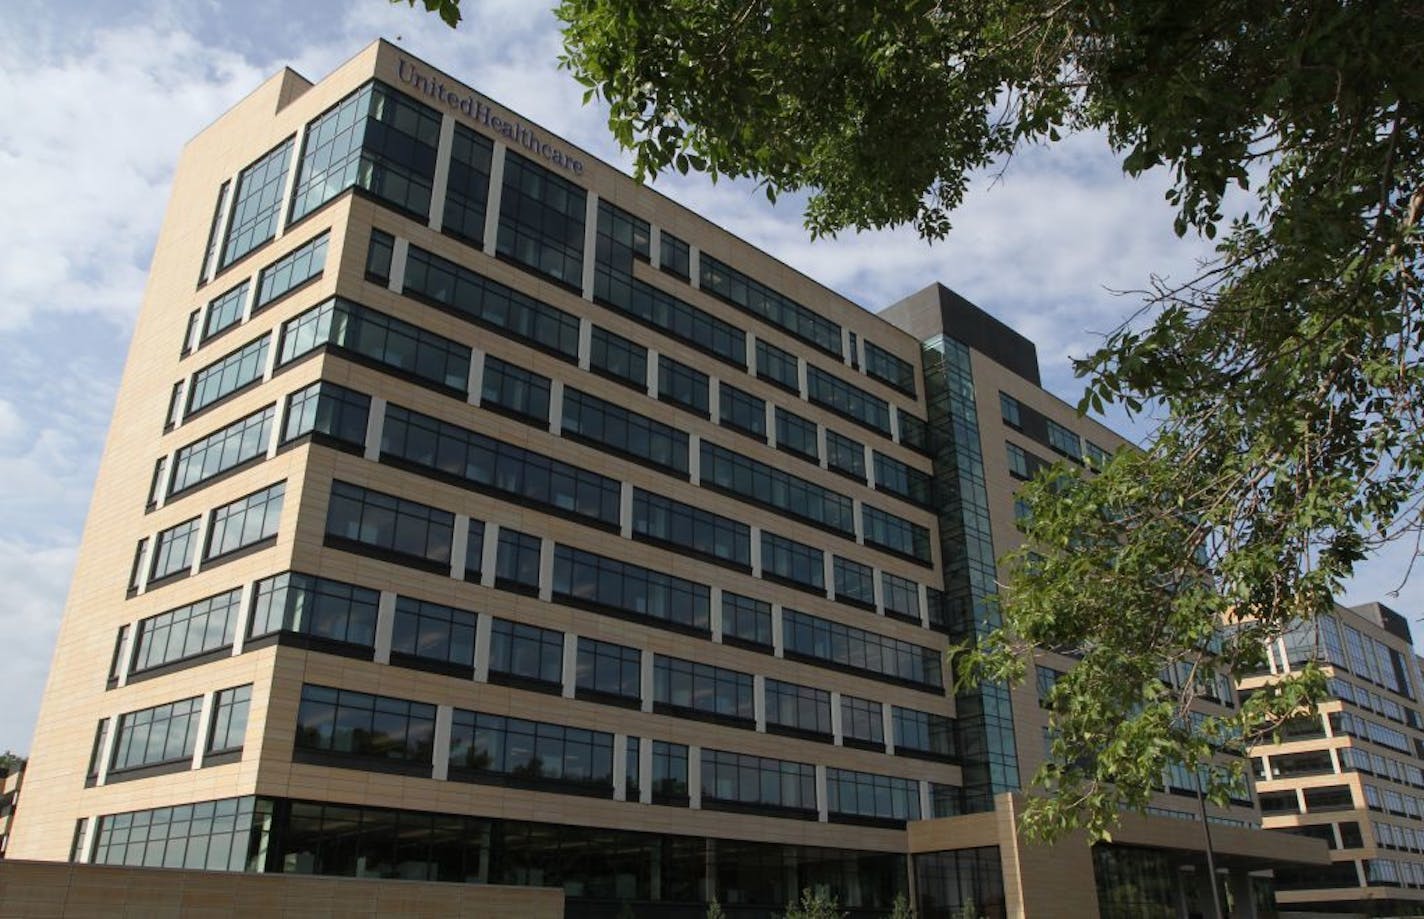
100, 96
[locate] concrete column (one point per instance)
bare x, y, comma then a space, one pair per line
694, 776
126, 654
620, 767
801, 376
385, 626
877, 586
926, 807
694, 459
625, 510
759, 701
249, 298
444, 715
652, 381
459, 546
546, 569
655, 246
496, 192
771, 424
294, 165
837, 721
585, 343
869, 466
714, 400
205, 726
570, 673
715, 612
645, 771
778, 642
274, 441
924, 606
828, 574
442, 170
887, 721
756, 544
823, 804
106, 755
855, 510
822, 451
145, 563
590, 242
556, 406
244, 618
375, 428
895, 424
483, 625
694, 265
474, 387
219, 240
205, 523
645, 681
489, 557
400, 255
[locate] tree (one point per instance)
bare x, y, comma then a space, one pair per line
814, 904
1285, 379
10, 761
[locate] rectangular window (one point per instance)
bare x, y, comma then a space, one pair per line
800, 710
831, 392
228, 374
529, 753
616, 428
1018, 461
682, 385
541, 217
777, 366
328, 412
245, 522
175, 406
229, 728
845, 455
474, 460
746, 620
788, 560
631, 789
189, 631
359, 724
224, 311
158, 735
360, 517
757, 781
741, 411
675, 256
291, 271
901, 480
526, 654
1010, 411
227, 448
207, 835
514, 390
477, 299
889, 369
662, 520
117, 660
618, 358
96, 753
1064, 441
474, 551
375, 139
156, 484
379, 253
877, 797
923, 732
728, 284
433, 632
467, 188
210, 251
752, 480
798, 435
621, 242
669, 773
173, 550
608, 671
914, 432
693, 689
257, 205
190, 334
405, 349
1096, 456
855, 583
862, 722
136, 571
901, 597
812, 638
584, 579
517, 561
889, 531
317, 607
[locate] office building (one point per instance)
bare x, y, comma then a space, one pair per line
1349, 772
472, 513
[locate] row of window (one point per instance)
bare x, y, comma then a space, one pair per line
167, 734
237, 525
342, 724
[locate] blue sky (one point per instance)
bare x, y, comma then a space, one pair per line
100, 97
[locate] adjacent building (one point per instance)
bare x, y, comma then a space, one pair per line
1349, 772
472, 513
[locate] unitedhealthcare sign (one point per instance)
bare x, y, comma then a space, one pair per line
515, 132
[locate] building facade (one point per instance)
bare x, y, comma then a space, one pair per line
472, 513
1349, 772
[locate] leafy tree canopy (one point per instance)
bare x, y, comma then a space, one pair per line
1284, 381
